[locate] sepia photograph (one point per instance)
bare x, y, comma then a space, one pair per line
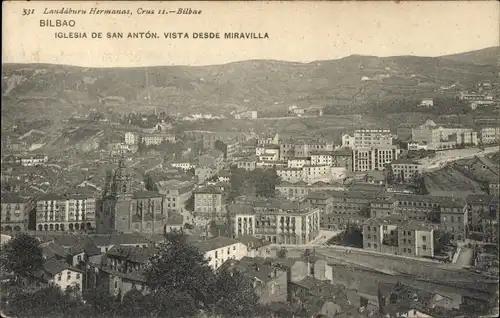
220, 159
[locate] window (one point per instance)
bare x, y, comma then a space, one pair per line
424, 247
409, 250
77, 276
216, 254
116, 284
424, 238
374, 245
369, 245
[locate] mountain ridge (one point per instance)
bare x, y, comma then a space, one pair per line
252, 84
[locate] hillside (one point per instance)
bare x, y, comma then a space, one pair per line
57, 91
488, 56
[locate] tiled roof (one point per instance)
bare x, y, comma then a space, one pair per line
215, 243
54, 267
131, 253
52, 249
208, 190
418, 226
480, 199
12, 198
251, 241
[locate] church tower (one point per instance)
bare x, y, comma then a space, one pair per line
122, 180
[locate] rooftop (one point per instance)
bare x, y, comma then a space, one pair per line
208, 190
13, 198
481, 199
405, 161
131, 253
215, 243
416, 226
146, 194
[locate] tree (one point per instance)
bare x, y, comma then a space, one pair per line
189, 205
264, 182
183, 284
179, 277
220, 145
234, 294
50, 301
22, 254
101, 302
149, 184
441, 239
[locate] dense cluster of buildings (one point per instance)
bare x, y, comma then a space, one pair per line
432, 136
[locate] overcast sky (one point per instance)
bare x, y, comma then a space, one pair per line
298, 31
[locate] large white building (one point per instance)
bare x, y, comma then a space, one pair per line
490, 135
220, 249
65, 212
366, 159
440, 137
366, 138
307, 173
277, 221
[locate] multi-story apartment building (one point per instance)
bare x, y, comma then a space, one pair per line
31, 161
232, 148
176, 194
367, 138
307, 173
443, 137
298, 162
404, 131
342, 208
300, 190
157, 138
416, 239
221, 249
399, 236
248, 163
338, 158
271, 139
131, 138
480, 207
268, 152
56, 212
208, 203
454, 218
472, 96
490, 134
404, 169
124, 269
293, 148
366, 159
183, 164
347, 141
277, 221
419, 207
57, 273
383, 206
15, 212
